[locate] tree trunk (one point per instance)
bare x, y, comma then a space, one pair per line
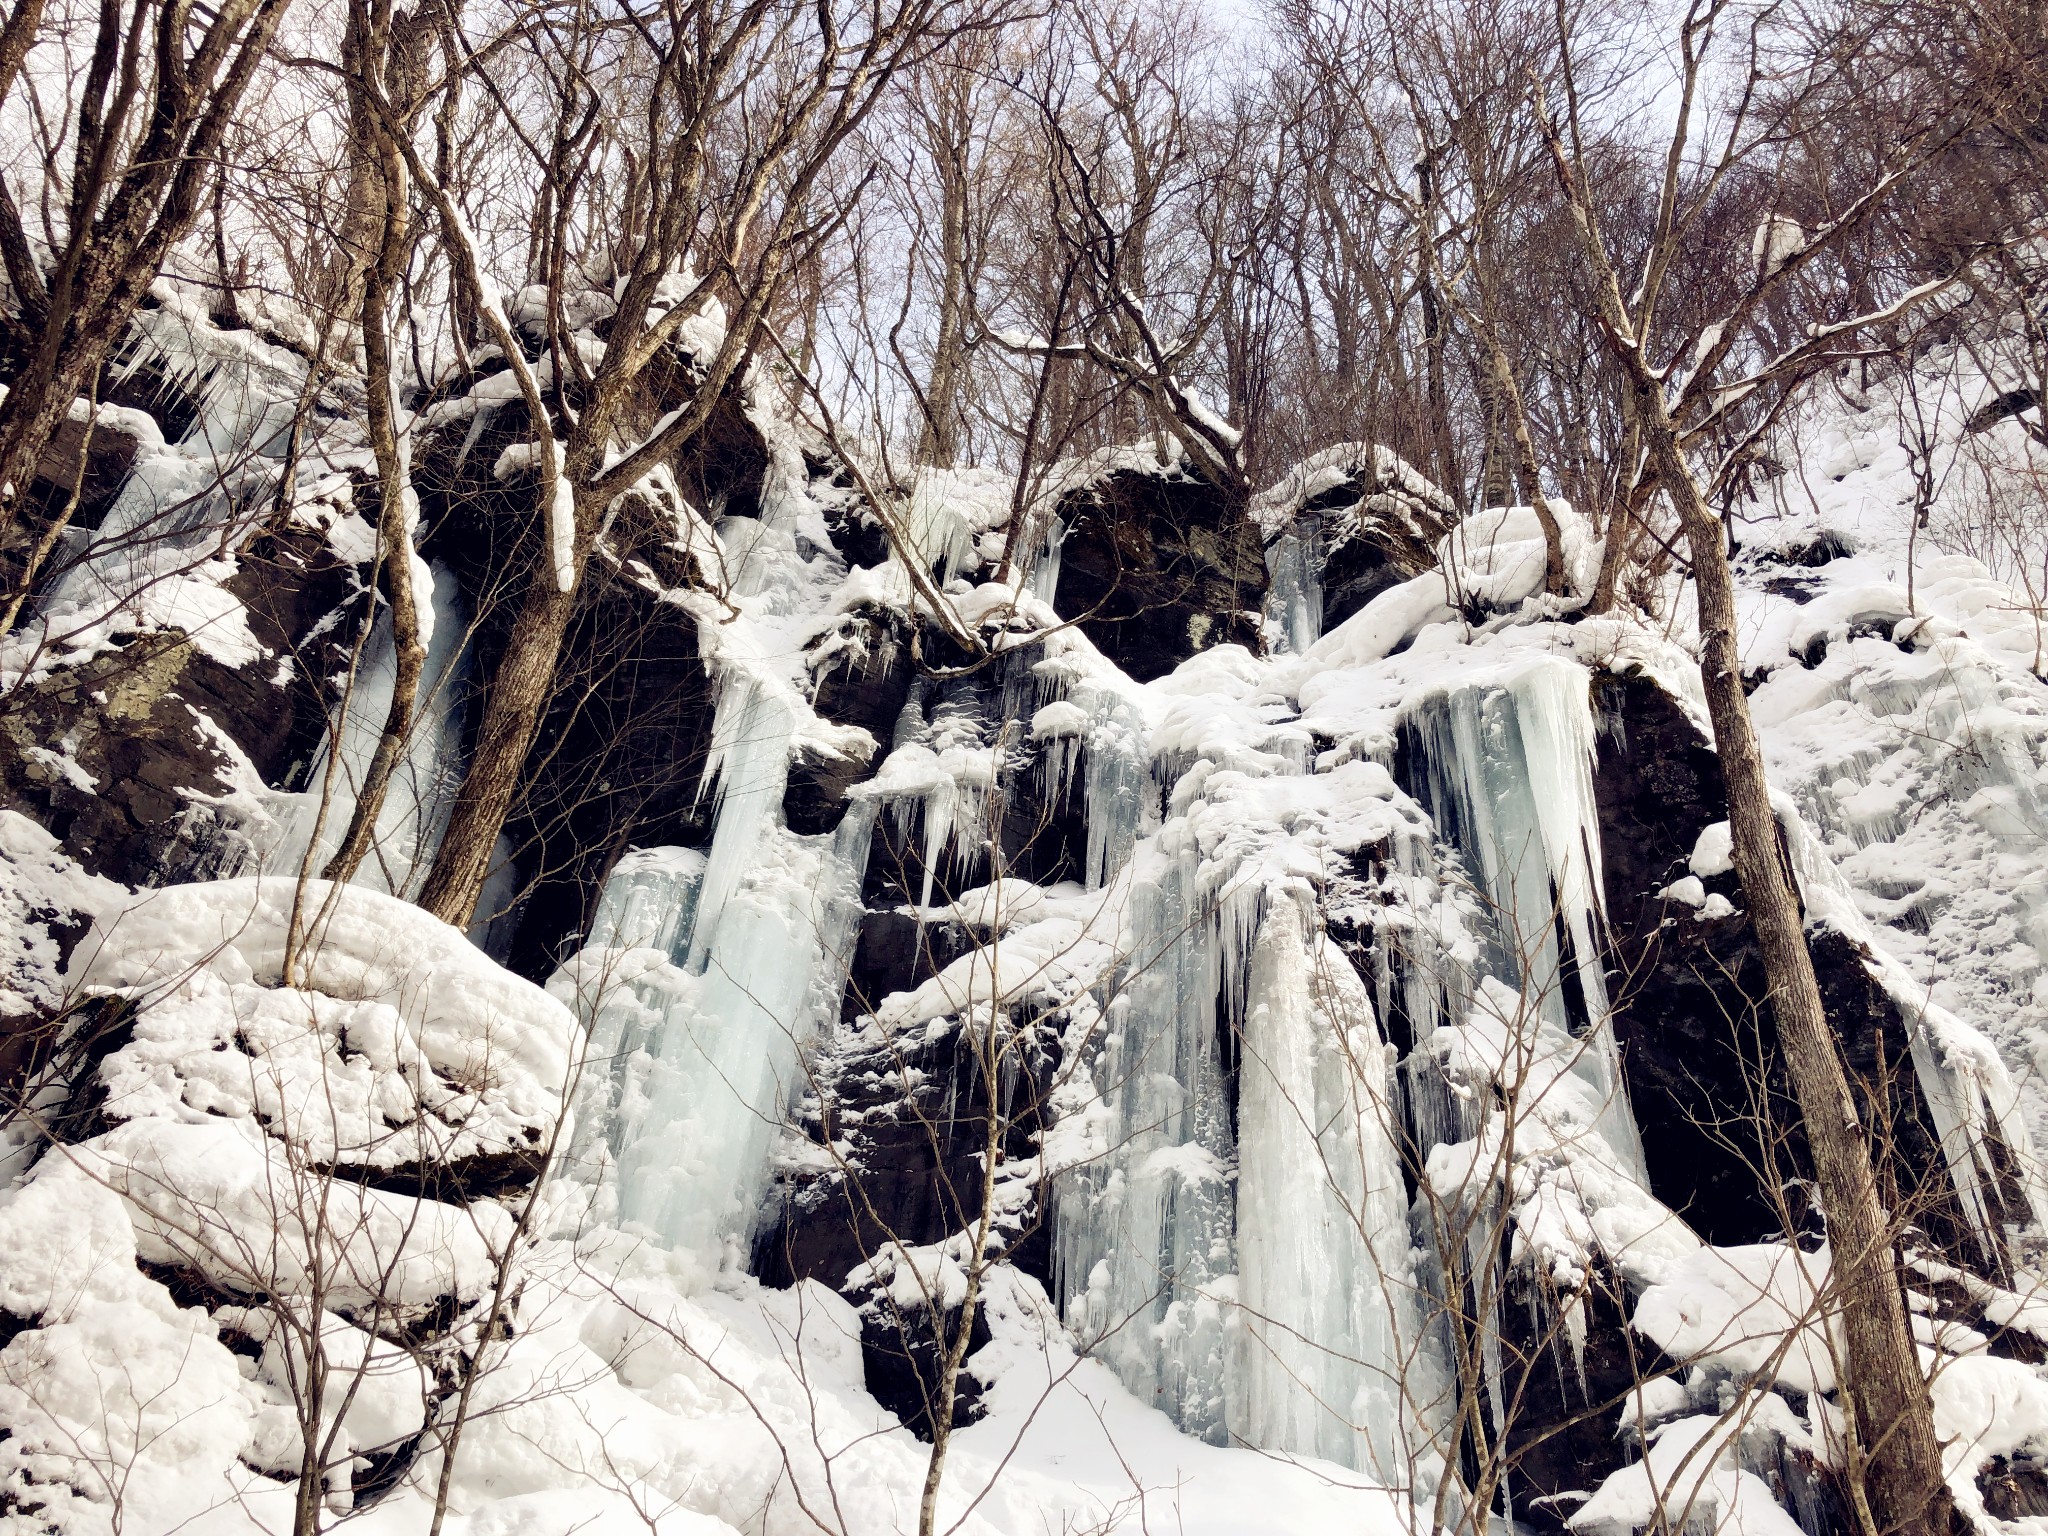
1507, 401
1614, 549
394, 545
39, 551
519, 691
1890, 1411
939, 442
1435, 338
41, 396
17, 36
1496, 463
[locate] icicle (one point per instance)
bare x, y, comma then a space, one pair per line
1507, 771
749, 762
419, 797
182, 505
1145, 1234
1974, 1105
1045, 572
1061, 727
1121, 795
938, 533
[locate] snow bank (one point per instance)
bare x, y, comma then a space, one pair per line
1388, 485
1689, 1478
41, 887
499, 1048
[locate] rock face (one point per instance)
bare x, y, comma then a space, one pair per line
619, 758
89, 465
1366, 552
1362, 519
125, 755
138, 721
904, 1172
722, 470
1156, 566
1705, 1080
864, 682
92, 464
905, 1114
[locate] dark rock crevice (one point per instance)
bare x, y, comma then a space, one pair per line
907, 1119
1157, 566
619, 758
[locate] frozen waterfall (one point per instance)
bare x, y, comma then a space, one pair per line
417, 801
1244, 1254
1331, 1352
1505, 766
708, 971
691, 1072
1145, 1237
1294, 597
1120, 795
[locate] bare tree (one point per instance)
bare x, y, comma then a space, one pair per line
692, 225
1674, 409
1126, 156
383, 58
158, 96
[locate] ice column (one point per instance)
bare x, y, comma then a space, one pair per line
1144, 1234
1294, 598
650, 901
722, 964
417, 801
749, 762
937, 532
693, 1157
1119, 793
1045, 573
628, 974
1327, 1361
705, 975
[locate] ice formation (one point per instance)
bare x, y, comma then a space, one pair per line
1294, 602
168, 541
707, 974
1508, 767
1146, 1247
1333, 1356
1332, 910
416, 802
